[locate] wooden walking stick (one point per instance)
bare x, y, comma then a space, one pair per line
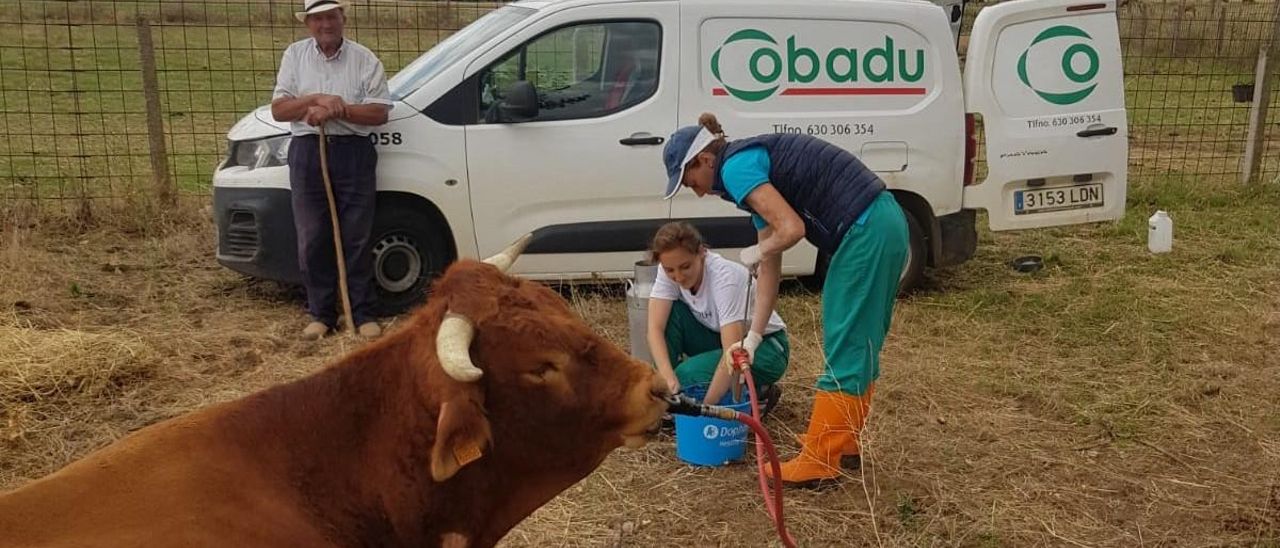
337, 233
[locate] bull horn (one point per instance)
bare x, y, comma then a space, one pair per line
453, 347
508, 256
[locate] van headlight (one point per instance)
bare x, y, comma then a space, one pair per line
269, 152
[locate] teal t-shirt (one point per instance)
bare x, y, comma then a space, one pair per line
742, 173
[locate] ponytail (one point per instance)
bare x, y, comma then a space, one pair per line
708, 120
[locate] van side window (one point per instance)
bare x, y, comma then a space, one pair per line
574, 72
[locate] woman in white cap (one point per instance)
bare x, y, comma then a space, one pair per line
798, 186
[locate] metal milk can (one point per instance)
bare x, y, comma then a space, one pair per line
638, 290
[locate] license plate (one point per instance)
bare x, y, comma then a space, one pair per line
1041, 200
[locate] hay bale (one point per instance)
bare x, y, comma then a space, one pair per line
64, 364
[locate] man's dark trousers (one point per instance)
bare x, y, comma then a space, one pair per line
352, 163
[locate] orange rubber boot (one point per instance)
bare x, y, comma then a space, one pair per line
851, 453
834, 425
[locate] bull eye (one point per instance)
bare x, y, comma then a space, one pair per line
538, 375
544, 367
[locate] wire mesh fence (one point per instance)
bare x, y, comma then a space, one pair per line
72, 96
74, 104
1189, 68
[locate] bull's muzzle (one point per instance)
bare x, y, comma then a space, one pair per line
453, 340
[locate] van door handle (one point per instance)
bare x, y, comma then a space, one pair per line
1096, 132
642, 140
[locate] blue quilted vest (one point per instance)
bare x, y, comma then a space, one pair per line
825, 184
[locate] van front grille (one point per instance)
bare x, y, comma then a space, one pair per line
241, 239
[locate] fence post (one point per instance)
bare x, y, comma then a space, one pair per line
1255, 141
1220, 10
155, 122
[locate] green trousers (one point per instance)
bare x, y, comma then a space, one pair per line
695, 350
858, 297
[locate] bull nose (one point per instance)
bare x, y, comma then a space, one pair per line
658, 388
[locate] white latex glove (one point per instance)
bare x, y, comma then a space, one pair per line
750, 258
750, 343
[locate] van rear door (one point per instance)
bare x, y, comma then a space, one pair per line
1047, 80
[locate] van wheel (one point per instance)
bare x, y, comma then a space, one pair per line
409, 251
917, 257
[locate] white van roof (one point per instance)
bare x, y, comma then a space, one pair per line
539, 4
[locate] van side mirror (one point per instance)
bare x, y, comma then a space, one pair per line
520, 103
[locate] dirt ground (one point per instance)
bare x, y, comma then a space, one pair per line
1103, 402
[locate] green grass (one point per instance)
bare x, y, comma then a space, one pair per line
1184, 92
908, 512
1103, 304
214, 66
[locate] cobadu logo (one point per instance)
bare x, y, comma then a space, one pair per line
774, 69
1079, 64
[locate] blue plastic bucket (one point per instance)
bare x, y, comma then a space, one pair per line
704, 441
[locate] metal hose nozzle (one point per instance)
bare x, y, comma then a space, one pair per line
681, 404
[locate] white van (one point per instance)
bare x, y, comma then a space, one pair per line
548, 117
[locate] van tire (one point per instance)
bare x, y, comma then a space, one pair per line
917, 256
912, 274
410, 249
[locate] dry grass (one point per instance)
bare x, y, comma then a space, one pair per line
1112, 399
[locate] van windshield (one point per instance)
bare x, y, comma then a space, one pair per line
444, 53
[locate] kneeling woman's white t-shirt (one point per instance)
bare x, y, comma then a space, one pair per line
721, 298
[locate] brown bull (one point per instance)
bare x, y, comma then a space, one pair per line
492, 399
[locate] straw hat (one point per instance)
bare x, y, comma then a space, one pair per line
316, 6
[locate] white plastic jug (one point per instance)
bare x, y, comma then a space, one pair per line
638, 309
1160, 232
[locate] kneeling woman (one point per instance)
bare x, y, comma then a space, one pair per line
696, 314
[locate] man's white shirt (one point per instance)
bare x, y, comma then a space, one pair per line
354, 73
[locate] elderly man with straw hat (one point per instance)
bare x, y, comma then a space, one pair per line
332, 81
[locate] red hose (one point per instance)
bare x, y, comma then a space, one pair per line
765, 444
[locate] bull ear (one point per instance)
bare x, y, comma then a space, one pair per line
462, 437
